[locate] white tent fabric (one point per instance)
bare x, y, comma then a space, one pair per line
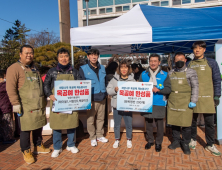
130, 28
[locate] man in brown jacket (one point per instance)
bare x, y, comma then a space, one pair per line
25, 91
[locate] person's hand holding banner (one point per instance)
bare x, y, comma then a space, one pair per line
116, 89
52, 97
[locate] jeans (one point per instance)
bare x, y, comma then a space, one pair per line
57, 138
25, 138
127, 116
209, 128
186, 134
149, 130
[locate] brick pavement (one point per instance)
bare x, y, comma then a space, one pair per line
105, 157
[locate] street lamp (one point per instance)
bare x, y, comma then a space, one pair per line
87, 12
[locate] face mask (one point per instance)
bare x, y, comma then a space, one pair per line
180, 64
4, 79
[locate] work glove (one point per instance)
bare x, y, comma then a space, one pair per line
216, 101
159, 86
17, 109
192, 105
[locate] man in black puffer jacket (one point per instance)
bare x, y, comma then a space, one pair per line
209, 78
52, 75
61, 121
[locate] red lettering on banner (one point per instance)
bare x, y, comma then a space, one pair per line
126, 93
59, 92
86, 91
121, 92
70, 92
143, 94
147, 93
64, 93
137, 93
76, 92
81, 92
131, 93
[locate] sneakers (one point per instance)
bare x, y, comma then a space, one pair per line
41, 149
175, 144
28, 157
102, 139
129, 144
192, 144
72, 149
56, 153
116, 144
93, 142
213, 150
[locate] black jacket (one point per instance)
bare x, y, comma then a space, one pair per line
216, 76
51, 77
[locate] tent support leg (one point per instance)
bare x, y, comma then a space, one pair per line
72, 56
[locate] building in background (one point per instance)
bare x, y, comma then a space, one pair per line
104, 10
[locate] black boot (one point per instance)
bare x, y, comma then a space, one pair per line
185, 148
175, 144
158, 148
148, 145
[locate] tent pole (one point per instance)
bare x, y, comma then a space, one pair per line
72, 56
87, 12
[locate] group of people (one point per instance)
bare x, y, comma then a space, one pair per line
184, 92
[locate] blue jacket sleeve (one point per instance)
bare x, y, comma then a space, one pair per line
216, 75
81, 75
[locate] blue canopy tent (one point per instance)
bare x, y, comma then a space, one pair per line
152, 29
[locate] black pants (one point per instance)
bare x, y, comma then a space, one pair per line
17, 125
186, 134
25, 138
209, 128
149, 130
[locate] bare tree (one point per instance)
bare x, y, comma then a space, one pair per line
43, 38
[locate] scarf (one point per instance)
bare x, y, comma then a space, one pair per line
64, 68
153, 76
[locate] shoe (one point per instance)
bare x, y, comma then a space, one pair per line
28, 157
185, 148
202, 126
72, 149
192, 144
56, 153
158, 148
102, 139
11, 141
93, 142
116, 144
213, 150
129, 144
41, 149
148, 145
175, 144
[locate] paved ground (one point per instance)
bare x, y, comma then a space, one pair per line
105, 157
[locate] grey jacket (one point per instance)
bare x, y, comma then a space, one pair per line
192, 80
111, 87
